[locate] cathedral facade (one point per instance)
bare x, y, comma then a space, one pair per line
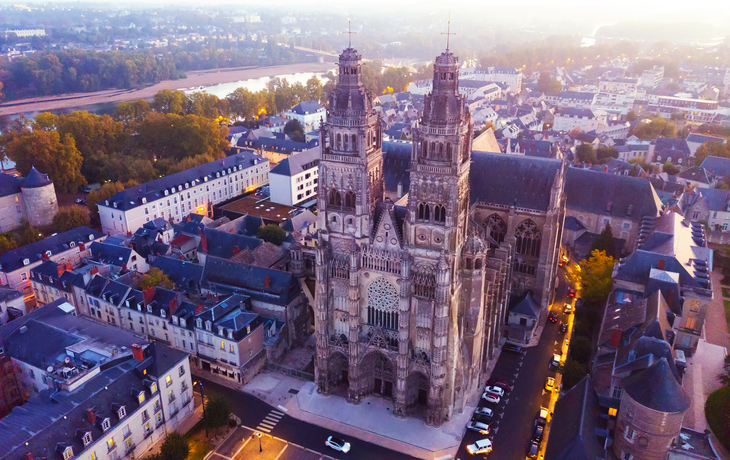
410, 300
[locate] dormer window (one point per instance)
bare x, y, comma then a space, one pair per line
162, 313
174, 320
144, 200
153, 387
220, 331
182, 322
68, 452
87, 438
207, 325
106, 424
230, 334
149, 308
122, 412
199, 323
167, 192
140, 397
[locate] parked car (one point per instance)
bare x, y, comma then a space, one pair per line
541, 419
481, 418
537, 433
479, 427
571, 292
492, 398
568, 308
495, 390
338, 444
554, 361
508, 347
484, 412
532, 449
503, 384
550, 384
80, 201
553, 317
483, 446
563, 328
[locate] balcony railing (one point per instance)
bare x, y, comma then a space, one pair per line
158, 407
171, 398
111, 447
130, 448
174, 413
147, 434
186, 402
159, 422
184, 386
145, 417
127, 434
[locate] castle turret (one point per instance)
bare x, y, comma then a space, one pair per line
39, 196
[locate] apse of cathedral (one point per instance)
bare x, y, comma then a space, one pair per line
412, 301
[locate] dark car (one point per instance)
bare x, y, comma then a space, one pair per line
532, 449
571, 292
481, 418
553, 317
510, 348
537, 433
503, 384
563, 328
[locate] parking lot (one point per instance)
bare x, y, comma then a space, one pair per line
244, 443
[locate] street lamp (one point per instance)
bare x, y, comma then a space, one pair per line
202, 398
259, 436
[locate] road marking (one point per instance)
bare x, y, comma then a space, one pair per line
283, 408
221, 455
272, 418
444, 457
267, 424
270, 421
265, 430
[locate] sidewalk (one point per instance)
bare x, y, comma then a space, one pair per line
371, 420
716, 325
183, 427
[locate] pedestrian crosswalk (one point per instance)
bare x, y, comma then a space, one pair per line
270, 421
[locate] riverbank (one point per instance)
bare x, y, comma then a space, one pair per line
194, 79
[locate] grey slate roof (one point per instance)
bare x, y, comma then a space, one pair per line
717, 165
13, 260
610, 194
396, 164
576, 419
223, 244
525, 305
185, 275
571, 223
307, 108
35, 179
110, 253
40, 344
696, 174
665, 144
9, 185
251, 280
509, 180
154, 190
702, 138
657, 389
296, 164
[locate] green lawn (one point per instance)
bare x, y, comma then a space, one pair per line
199, 444
718, 416
726, 303
726, 292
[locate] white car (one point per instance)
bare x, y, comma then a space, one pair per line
492, 398
483, 446
479, 427
338, 444
487, 412
495, 391
555, 361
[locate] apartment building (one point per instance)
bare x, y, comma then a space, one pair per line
175, 196
295, 180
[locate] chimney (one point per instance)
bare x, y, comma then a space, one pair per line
94, 270
204, 244
173, 305
230, 231
91, 415
661, 263
605, 168
28, 456
148, 294
199, 309
267, 281
60, 268
138, 352
236, 250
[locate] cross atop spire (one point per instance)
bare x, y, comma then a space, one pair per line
349, 32
448, 33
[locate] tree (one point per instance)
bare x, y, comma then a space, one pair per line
294, 130
581, 349
96, 196
70, 217
217, 411
656, 127
595, 276
573, 372
670, 169
49, 153
586, 153
271, 233
315, 90
154, 278
631, 116
606, 153
725, 376
170, 101
174, 447
605, 242
7, 243
547, 84
715, 149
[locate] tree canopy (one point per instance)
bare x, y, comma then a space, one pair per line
70, 217
217, 411
656, 127
715, 149
271, 233
595, 276
605, 242
547, 84
586, 153
154, 278
174, 447
294, 130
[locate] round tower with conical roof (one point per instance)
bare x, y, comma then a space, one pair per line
39, 196
650, 416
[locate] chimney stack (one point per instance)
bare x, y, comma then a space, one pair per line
138, 352
236, 250
267, 281
91, 415
204, 244
94, 270
60, 268
148, 294
28, 456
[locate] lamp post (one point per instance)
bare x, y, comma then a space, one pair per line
260, 448
202, 398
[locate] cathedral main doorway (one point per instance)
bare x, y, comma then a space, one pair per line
337, 367
417, 394
378, 374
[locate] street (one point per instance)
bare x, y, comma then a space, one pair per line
514, 416
252, 411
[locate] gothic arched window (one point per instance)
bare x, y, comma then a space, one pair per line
334, 198
354, 142
497, 227
448, 151
432, 149
439, 213
528, 239
347, 142
383, 304
339, 141
424, 211
350, 200
425, 149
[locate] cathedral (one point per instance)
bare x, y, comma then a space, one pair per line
412, 300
